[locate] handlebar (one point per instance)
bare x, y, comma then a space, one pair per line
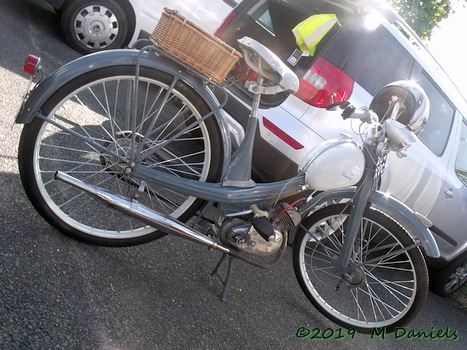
350, 111
398, 135
363, 113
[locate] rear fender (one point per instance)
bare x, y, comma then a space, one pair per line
104, 59
388, 205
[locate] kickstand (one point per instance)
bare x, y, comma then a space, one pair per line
226, 281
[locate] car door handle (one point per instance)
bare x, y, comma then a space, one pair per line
449, 192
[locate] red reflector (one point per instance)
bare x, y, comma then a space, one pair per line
324, 84
223, 26
282, 134
30, 64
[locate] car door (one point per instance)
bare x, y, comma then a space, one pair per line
419, 178
450, 208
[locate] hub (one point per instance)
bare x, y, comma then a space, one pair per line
354, 276
123, 146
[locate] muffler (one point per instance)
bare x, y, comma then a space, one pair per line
132, 208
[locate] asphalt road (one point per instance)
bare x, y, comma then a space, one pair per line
56, 293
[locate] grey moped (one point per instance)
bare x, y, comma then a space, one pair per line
122, 147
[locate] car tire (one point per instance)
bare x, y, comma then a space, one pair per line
95, 25
449, 279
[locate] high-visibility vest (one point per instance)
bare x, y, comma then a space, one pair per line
310, 32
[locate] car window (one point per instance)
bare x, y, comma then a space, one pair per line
436, 132
265, 21
461, 159
271, 22
372, 59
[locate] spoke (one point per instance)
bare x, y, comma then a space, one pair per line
359, 310
68, 161
317, 238
311, 256
390, 309
67, 148
163, 201
388, 285
375, 306
181, 163
153, 110
324, 270
376, 300
165, 133
388, 267
393, 291
92, 115
388, 256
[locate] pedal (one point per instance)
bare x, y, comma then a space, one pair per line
264, 227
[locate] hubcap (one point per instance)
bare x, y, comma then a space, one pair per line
96, 27
457, 279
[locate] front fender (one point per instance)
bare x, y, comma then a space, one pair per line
92, 62
388, 205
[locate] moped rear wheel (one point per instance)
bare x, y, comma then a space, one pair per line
164, 133
387, 283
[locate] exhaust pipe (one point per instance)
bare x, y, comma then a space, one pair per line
132, 208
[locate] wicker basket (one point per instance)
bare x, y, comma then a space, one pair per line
194, 46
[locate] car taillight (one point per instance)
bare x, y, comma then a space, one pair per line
244, 73
324, 84
31, 64
227, 22
282, 134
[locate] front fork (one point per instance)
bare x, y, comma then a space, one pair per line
365, 187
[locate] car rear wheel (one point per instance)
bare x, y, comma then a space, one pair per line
95, 25
450, 278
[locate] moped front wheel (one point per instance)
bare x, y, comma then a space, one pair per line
94, 131
386, 283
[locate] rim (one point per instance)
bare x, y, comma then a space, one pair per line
457, 279
96, 27
377, 300
58, 199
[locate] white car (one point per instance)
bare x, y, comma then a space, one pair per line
94, 25
369, 47
352, 62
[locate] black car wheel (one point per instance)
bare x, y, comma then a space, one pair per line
450, 278
95, 25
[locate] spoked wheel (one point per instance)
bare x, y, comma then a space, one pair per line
386, 284
95, 133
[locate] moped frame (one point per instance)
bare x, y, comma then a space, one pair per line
236, 190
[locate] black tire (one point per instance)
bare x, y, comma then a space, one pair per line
96, 106
388, 291
95, 25
449, 279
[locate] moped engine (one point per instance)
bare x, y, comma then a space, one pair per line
242, 235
